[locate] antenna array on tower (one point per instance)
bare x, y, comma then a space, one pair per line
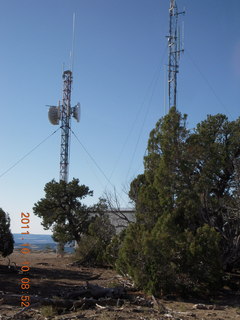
63, 113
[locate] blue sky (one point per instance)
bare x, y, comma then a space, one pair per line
118, 77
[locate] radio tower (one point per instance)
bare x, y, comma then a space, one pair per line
63, 113
65, 125
175, 48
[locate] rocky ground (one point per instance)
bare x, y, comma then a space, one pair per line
53, 282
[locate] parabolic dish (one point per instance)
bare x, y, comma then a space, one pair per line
53, 115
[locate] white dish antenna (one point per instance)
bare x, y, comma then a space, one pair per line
76, 111
54, 115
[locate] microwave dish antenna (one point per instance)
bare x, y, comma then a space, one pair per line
76, 112
54, 115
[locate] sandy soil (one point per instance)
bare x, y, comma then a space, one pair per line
51, 276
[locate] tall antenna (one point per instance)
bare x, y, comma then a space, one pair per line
63, 113
65, 125
73, 43
175, 48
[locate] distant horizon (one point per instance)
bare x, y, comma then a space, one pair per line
38, 242
35, 234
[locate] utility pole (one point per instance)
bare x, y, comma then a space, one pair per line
175, 48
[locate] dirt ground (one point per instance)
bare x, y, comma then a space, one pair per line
54, 277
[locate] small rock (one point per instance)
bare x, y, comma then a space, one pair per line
215, 307
200, 306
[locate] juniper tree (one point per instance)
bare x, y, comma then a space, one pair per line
185, 200
6, 238
63, 211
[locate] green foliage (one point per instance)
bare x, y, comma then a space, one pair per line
187, 202
203, 256
63, 211
6, 238
112, 249
92, 246
161, 262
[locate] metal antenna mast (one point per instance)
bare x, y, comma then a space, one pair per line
175, 48
63, 113
65, 124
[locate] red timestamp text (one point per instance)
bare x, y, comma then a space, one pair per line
25, 268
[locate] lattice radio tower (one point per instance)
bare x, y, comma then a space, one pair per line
63, 113
175, 48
